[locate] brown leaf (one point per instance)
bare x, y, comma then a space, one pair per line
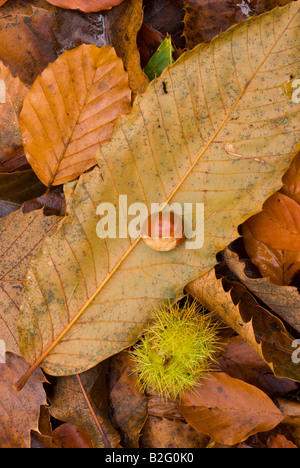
20, 237
18, 187
128, 404
278, 225
69, 436
280, 441
82, 401
53, 203
26, 37
12, 93
124, 23
280, 266
240, 361
168, 433
70, 109
236, 307
166, 17
19, 412
229, 410
205, 19
148, 42
86, 5
283, 300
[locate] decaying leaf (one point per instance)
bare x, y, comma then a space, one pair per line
278, 225
19, 412
70, 109
128, 404
94, 296
236, 307
26, 37
20, 237
86, 5
82, 401
284, 300
229, 410
12, 93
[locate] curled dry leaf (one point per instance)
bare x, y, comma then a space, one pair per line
86, 5
229, 410
20, 237
284, 300
94, 296
70, 109
236, 307
12, 93
19, 412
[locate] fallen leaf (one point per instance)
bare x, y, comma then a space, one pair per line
229, 410
279, 266
205, 19
12, 93
166, 17
242, 362
278, 224
82, 401
128, 404
124, 23
280, 441
2, 2
237, 308
98, 294
18, 187
160, 60
53, 204
148, 42
26, 37
291, 180
20, 238
70, 109
69, 436
19, 412
168, 434
283, 300
86, 5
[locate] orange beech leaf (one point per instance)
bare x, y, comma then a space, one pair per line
70, 109
229, 410
2, 2
291, 180
86, 5
280, 441
278, 225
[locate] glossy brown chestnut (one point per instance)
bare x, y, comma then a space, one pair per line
163, 231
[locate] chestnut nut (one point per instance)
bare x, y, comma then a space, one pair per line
163, 231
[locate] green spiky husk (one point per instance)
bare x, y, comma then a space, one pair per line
177, 350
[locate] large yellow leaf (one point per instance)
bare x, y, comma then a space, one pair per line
215, 128
71, 108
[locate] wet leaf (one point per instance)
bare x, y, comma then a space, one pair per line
61, 130
229, 410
